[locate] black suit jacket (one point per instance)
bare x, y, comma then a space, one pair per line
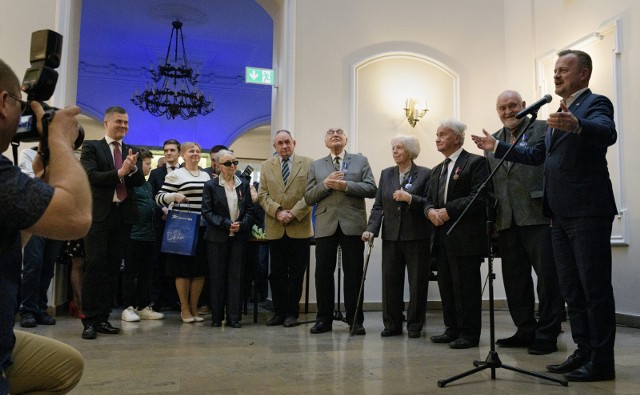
156, 179
470, 236
576, 182
97, 160
400, 220
215, 210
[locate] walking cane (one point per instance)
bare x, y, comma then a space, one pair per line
364, 277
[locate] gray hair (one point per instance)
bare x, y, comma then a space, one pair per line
282, 131
222, 153
411, 144
456, 127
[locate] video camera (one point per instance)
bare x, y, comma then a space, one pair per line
39, 82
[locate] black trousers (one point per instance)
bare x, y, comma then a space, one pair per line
352, 263
521, 248
396, 255
105, 247
136, 274
225, 269
461, 292
289, 258
582, 249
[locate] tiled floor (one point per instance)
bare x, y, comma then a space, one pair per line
167, 357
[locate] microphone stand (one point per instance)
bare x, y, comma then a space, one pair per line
493, 361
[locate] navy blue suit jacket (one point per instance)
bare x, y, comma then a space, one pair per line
215, 211
576, 177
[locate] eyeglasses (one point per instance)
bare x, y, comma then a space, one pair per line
23, 104
339, 132
230, 163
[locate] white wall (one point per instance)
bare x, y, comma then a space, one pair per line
333, 36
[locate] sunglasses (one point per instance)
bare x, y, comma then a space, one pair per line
230, 163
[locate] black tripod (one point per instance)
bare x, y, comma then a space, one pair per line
493, 361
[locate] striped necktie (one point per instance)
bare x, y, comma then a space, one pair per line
285, 170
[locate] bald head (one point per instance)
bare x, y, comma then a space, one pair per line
508, 104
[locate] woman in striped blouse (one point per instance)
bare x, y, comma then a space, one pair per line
184, 186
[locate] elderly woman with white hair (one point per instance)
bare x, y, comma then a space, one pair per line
405, 237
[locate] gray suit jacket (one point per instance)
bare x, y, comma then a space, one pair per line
517, 187
344, 208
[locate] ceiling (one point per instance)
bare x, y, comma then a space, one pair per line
120, 39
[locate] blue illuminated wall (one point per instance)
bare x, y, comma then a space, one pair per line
221, 38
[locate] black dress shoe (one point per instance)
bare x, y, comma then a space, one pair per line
28, 320
517, 340
45, 319
462, 343
415, 334
358, 330
542, 347
216, 324
390, 332
320, 327
89, 332
575, 360
290, 322
276, 320
106, 328
590, 371
444, 338
235, 324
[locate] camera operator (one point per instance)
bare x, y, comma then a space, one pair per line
58, 208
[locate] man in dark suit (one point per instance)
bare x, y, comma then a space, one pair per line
338, 184
163, 293
525, 236
114, 169
459, 255
578, 198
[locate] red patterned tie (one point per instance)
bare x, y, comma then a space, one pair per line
121, 189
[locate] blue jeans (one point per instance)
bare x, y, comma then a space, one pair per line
38, 261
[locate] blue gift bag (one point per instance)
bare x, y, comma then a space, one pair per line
181, 233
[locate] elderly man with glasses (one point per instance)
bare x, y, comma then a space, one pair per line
338, 185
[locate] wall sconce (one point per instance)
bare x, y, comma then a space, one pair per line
414, 110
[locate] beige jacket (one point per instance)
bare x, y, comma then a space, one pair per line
273, 194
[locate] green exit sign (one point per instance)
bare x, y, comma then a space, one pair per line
254, 75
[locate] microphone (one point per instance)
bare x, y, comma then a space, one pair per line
534, 107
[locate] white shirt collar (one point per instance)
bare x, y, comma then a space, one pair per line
569, 100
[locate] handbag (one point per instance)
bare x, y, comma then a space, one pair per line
181, 233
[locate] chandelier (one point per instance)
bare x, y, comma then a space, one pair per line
174, 90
